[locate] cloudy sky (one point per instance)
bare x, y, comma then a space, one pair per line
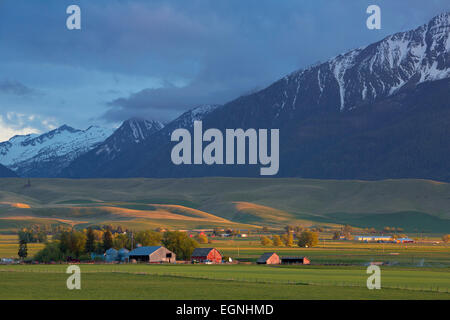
155, 59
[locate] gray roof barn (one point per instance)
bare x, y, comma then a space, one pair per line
206, 254
269, 258
144, 251
153, 254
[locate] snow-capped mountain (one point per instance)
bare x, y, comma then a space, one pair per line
133, 140
374, 72
131, 133
46, 154
186, 120
375, 112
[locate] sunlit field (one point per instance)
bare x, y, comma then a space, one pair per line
220, 282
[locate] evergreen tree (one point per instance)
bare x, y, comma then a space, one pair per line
90, 241
107, 240
23, 249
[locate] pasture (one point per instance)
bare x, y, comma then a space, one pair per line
220, 282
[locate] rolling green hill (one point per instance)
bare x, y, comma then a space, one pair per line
415, 205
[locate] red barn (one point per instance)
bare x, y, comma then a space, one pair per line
269, 258
204, 255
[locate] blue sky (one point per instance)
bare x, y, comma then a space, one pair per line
155, 59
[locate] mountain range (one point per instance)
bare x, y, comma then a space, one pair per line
45, 155
381, 111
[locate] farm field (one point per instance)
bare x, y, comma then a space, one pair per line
421, 254
424, 254
337, 271
220, 282
9, 245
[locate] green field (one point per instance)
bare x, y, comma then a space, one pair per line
245, 203
422, 254
220, 282
338, 270
418, 271
9, 246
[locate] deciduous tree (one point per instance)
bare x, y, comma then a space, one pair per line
179, 243
277, 241
266, 241
308, 239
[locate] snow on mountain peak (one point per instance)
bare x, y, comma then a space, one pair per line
375, 71
198, 113
61, 145
140, 129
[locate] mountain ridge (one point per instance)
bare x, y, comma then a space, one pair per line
370, 98
43, 155
363, 100
95, 164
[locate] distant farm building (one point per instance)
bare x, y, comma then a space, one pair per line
374, 238
206, 255
295, 260
405, 240
155, 254
269, 258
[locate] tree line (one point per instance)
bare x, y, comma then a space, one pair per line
305, 239
79, 245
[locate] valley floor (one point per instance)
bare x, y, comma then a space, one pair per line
228, 282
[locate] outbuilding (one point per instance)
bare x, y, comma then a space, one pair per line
405, 240
295, 260
269, 258
206, 255
154, 254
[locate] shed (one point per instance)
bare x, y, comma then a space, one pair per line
154, 254
269, 258
203, 255
295, 260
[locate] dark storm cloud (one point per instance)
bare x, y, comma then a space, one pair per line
173, 55
163, 103
15, 88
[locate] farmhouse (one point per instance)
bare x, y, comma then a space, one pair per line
204, 255
155, 254
295, 260
269, 258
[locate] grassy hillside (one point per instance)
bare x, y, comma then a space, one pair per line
415, 205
